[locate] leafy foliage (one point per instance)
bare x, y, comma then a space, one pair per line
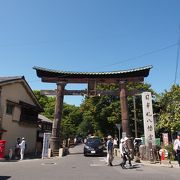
169, 116
72, 117
47, 103
98, 115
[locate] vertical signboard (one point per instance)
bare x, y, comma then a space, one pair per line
46, 144
148, 119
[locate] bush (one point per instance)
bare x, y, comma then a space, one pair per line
171, 153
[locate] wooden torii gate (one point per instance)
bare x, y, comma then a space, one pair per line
61, 78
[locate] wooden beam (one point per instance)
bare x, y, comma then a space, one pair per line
98, 80
85, 92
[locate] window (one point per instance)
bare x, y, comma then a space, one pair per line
9, 109
28, 115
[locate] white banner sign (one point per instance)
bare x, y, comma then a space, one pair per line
165, 139
148, 118
46, 144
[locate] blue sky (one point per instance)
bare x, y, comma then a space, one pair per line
89, 35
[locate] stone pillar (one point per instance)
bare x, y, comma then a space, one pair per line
124, 109
55, 138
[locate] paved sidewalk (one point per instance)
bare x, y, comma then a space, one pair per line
165, 163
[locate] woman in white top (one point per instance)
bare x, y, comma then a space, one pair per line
177, 147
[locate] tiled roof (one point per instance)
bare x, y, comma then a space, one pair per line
14, 79
44, 119
92, 73
11, 78
137, 72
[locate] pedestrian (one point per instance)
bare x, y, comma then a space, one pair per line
125, 153
17, 148
177, 147
115, 142
75, 141
109, 151
69, 139
22, 148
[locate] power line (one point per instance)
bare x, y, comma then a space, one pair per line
144, 54
177, 58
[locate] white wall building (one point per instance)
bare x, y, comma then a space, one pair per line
19, 111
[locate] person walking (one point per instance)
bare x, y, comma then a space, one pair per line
22, 148
124, 150
177, 147
17, 148
109, 151
115, 142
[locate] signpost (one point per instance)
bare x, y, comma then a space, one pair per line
148, 118
46, 145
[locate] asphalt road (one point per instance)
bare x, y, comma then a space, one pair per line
77, 167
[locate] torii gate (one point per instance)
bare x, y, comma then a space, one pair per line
61, 78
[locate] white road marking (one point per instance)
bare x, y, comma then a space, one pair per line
96, 165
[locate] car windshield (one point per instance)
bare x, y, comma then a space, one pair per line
94, 141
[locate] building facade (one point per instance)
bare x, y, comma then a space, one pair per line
19, 111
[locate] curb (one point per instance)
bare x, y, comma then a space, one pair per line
162, 164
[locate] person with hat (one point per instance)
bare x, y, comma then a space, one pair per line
22, 147
109, 151
177, 147
124, 150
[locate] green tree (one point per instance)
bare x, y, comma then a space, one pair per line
71, 115
138, 103
104, 112
47, 103
96, 115
71, 119
169, 115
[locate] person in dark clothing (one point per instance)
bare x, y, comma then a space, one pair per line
17, 148
109, 151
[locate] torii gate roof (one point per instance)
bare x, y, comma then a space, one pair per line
131, 75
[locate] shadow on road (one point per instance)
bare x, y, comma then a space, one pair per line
135, 166
75, 153
4, 177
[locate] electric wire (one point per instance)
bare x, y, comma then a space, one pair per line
144, 54
177, 59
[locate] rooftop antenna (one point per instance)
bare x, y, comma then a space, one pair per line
177, 57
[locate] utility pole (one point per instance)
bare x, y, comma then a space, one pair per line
135, 118
177, 59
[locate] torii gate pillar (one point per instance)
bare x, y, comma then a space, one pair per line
55, 138
124, 109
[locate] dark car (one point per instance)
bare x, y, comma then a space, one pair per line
93, 146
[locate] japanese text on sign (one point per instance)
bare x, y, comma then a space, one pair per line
148, 118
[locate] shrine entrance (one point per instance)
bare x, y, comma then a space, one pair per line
92, 79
